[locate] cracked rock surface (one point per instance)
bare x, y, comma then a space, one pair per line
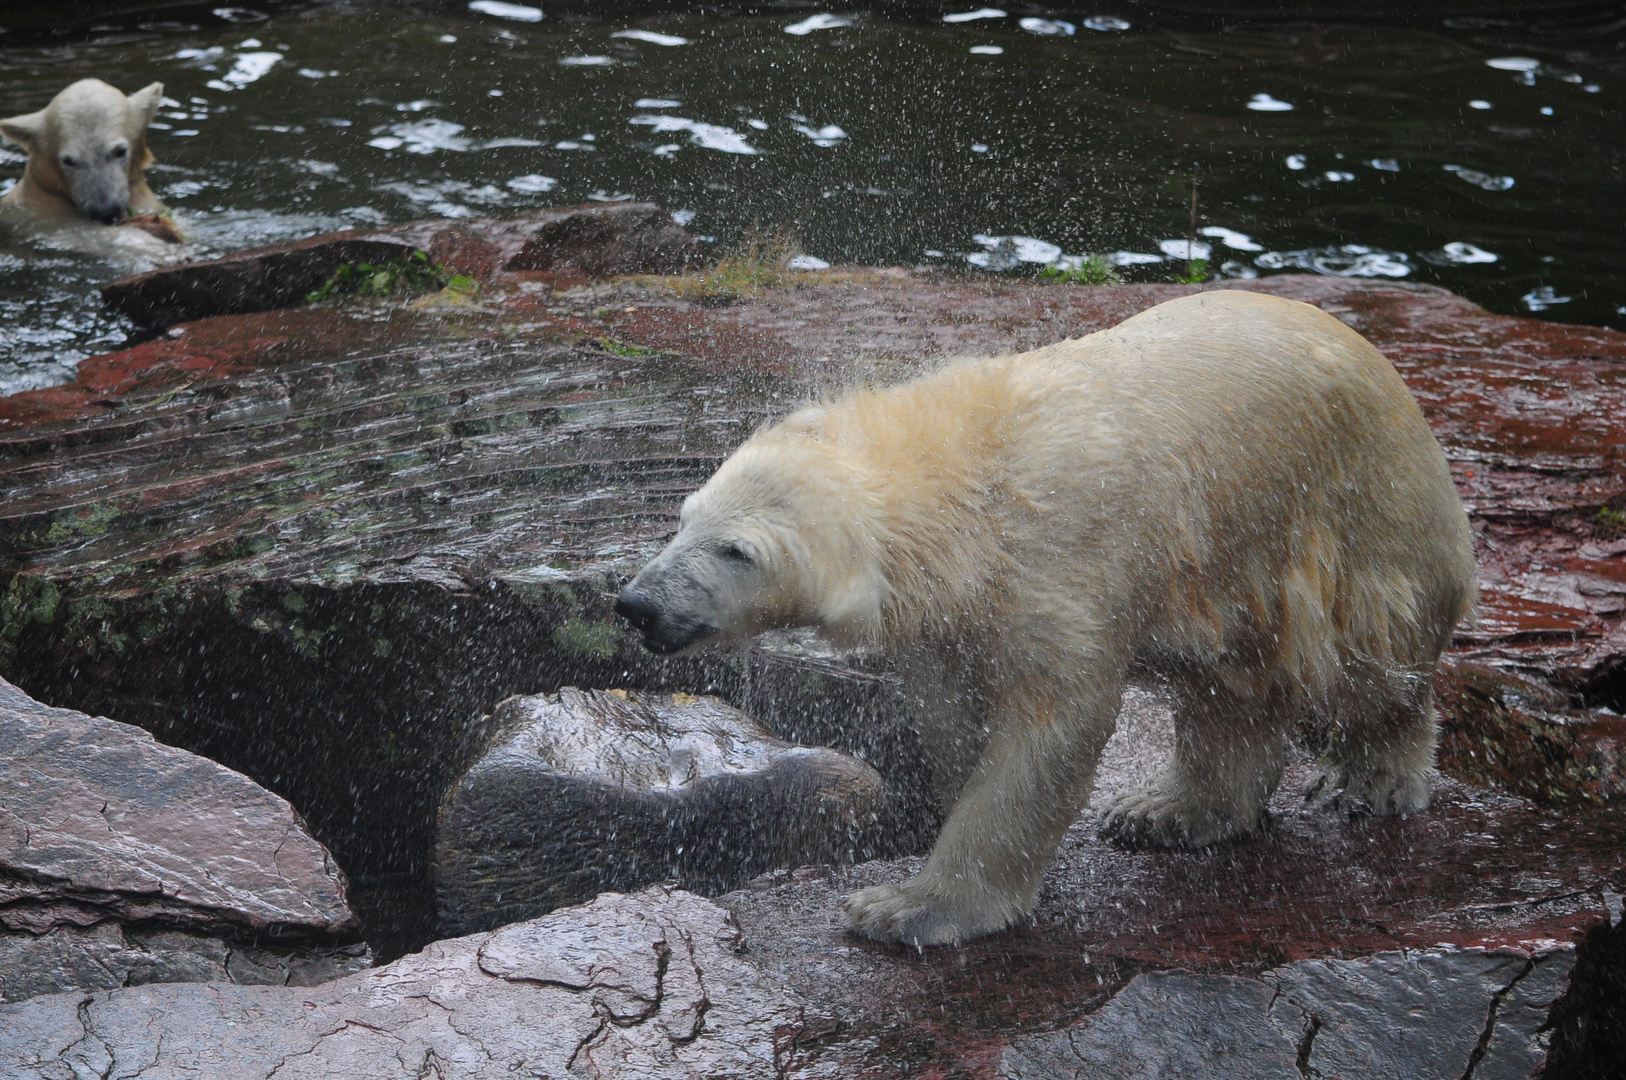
1436, 1015
584, 792
126, 861
648, 985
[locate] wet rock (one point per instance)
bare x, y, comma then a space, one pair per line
1392, 1016
591, 241
627, 986
1505, 731
592, 791
126, 861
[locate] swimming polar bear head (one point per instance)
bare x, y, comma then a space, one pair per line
88, 147
780, 536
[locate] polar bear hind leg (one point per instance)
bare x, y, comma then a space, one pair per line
1381, 754
1229, 755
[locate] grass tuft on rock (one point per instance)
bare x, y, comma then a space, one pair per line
409, 276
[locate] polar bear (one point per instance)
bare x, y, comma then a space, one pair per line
1230, 493
87, 151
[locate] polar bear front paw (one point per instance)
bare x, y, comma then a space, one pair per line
1153, 817
907, 914
1380, 793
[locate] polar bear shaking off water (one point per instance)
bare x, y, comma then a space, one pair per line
1231, 493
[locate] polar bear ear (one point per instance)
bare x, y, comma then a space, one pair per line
25, 129
144, 102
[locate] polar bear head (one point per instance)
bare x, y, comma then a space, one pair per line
781, 536
88, 146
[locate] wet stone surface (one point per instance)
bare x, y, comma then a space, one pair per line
1394, 1016
589, 792
627, 986
123, 861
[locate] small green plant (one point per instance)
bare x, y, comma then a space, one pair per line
1196, 272
1611, 518
624, 348
1094, 270
412, 274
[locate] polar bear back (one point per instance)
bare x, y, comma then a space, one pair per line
1231, 478
1261, 478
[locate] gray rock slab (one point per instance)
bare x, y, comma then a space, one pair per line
588, 791
100, 819
1444, 1015
649, 985
126, 861
1171, 1025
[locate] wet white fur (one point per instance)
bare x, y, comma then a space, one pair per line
1232, 492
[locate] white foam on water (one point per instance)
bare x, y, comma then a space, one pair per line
424, 137
1004, 252
1484, 181
1048, 27
971, 16
1130, 258
1542, 298
1513, 63
987, 50
710, 136
533, 184
1479, 103
1106, 23
501, 10
1232, 239
1184, 249
1341, 260
1266, 103
828, 135
806, 262
1337, 176
683, 217
818, 22
586, 61
1296, 162
655, 103
1387, 164
651, 36
246, 68
1461, 253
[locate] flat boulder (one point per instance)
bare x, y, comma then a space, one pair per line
587, 791
651, 985
124, 860
1430, 1015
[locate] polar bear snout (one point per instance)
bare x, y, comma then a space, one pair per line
664, 630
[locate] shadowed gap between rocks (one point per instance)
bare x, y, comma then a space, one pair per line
362, 704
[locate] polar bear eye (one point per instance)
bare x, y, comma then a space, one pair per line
736, 553
118, 151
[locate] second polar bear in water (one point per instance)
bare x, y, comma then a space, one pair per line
1231, 492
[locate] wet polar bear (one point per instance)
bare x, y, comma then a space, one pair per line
1231, 493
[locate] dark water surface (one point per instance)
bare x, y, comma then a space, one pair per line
1487, 157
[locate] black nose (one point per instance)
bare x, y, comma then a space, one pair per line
636, 608
106, 213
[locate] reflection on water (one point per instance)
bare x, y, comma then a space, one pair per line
1485, 158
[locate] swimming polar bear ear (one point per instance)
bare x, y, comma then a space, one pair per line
24, 130
145, 102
